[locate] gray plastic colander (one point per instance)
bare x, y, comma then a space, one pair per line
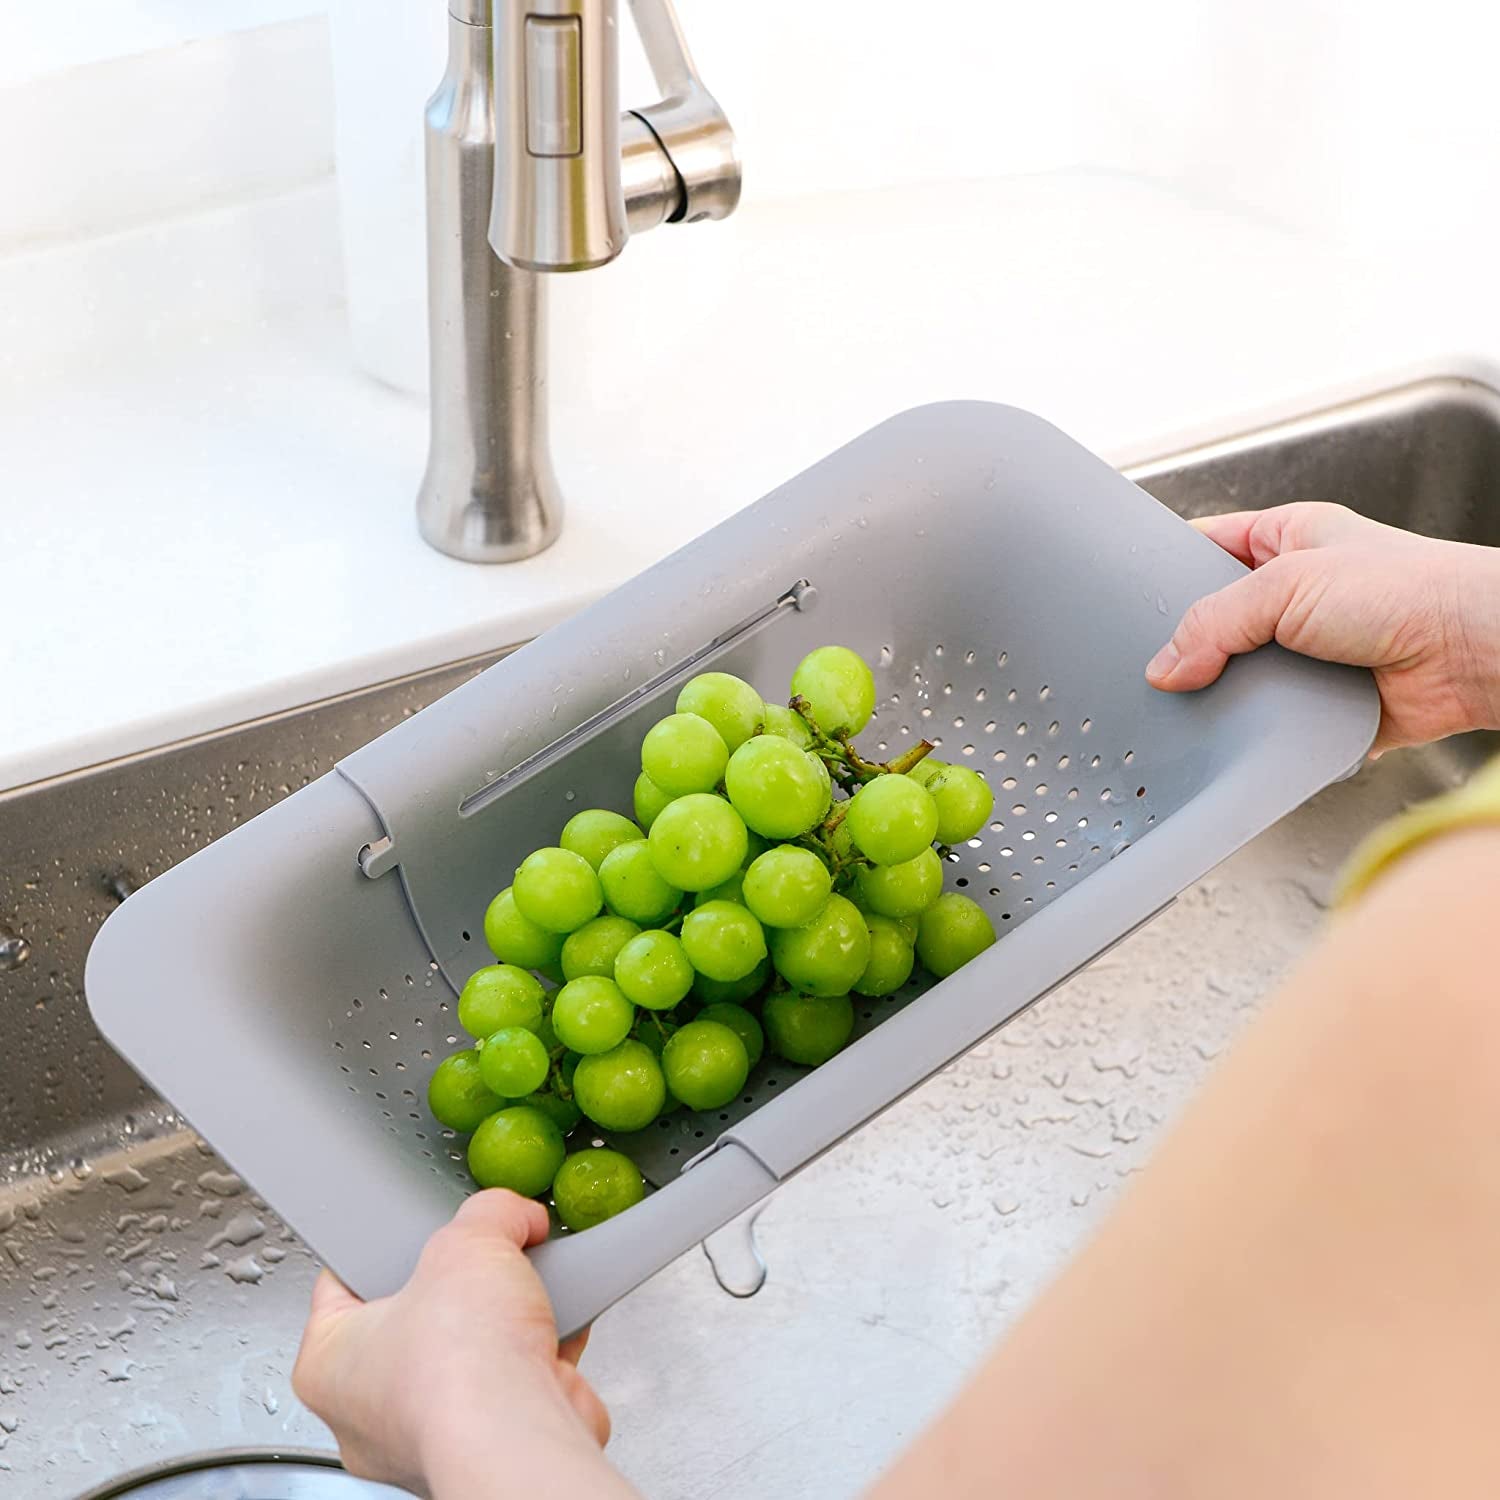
291, 987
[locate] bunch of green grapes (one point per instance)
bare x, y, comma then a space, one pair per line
769, 874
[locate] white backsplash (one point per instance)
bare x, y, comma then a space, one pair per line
1354, 121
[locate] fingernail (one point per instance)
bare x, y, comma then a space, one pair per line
1164, 663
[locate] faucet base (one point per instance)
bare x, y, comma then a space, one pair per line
459, 512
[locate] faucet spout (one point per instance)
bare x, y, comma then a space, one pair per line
532, 168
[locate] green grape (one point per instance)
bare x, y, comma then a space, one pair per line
567, 1067
705, 1063
513, 939
648, 801
652, 1033
633, 888
926, 768
807, 1029
963, 797
826, 956
892, 819
562, 1112
698, 841
841, 841
903, 890
734, 991
788, 726
787, 887
839, 688
953, 930
594, 1185
621, 1090
513, 1062
727, 890
683, 754
558, 890
591, 1014
519, 1148
595, 831
908, 926
825, 780
741, 1023
755, 846
457, 1095
723, 940
548, 1036
652, 970
731, 705
891, 958
500, 995
776, 788
595, 946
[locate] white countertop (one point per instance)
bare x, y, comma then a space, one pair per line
217, 522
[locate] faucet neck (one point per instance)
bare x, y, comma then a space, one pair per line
473, 12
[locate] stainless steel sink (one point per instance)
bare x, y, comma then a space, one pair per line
150, 1303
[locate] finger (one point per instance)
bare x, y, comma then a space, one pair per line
332, 1302
1231, 532
1256, 536
330, 1298
585, 1401
1235, 620
499, 1212
570, 1351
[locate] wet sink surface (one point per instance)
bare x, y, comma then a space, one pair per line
150, 1303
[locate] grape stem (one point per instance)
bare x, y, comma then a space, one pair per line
851, 771
847, 766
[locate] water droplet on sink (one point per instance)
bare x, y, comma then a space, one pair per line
128, 1179
247, 1271
734, 1256
223, 1184
239, 1231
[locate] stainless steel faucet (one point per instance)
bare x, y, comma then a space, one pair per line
531, 168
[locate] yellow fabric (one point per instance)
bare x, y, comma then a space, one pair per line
1475, 804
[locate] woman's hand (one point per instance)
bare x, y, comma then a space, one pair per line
456, 1386
1423, 614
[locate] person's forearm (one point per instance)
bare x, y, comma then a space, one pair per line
1299, 1296
1476, 612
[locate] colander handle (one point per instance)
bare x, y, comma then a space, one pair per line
586, 1273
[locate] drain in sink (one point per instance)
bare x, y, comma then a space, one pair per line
248, 1477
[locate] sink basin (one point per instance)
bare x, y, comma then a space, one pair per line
150, 1303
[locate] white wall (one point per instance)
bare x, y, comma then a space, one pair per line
1332, 113
1365, 121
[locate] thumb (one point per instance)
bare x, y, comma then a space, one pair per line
1237, 619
